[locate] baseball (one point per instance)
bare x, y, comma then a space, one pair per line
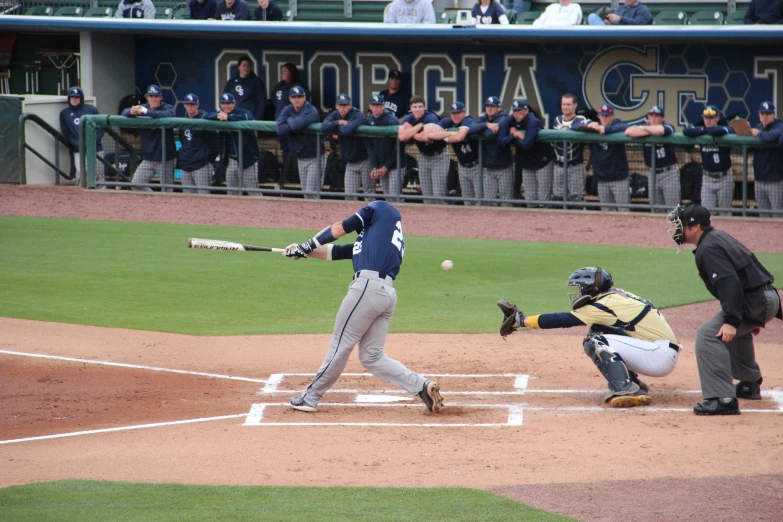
447, 265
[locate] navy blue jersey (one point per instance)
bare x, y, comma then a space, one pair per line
767, 162
199, 147
610, 162
491, 16
382, 151
664, 154
496, 154
398, 103
428, 149
465, 151
380, 245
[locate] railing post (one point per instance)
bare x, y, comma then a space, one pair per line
565, 175
90, 151
480, 188
56, 162
318, 146
400, 175
652, 180
241, 161
163, 160
744, 180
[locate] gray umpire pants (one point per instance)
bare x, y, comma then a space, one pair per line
363, 318
538, 183
576, 182
433, 173
147, 170
717, 192
614, 192
358, 173
200, 178
667, 187
391, 184
721, 362
249, 177
499, 183
468, 182
769, 195
310, 177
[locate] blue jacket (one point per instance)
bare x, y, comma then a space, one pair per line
238, 11
530, 155
151, 145
764, 12
610, 161
71, 118
637, 14
271, 14
664, 154
199, 147
351, 147
496, 155
428, 149
466, 151
382, 151
713, 158
202, 11
250, 94
291, 123
229, 141
768, 163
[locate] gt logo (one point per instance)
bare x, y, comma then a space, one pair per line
240, 91
188, 135
76, 121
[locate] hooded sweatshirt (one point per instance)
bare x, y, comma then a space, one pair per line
250, 93
415, 12
71, 118
139, 9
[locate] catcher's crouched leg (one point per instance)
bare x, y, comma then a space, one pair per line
625, 392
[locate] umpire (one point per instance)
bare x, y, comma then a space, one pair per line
724, 344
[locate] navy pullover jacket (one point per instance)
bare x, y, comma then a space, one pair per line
229, 140
495, 154
199, 147
289, 126
382, 151
151, 143
351, 147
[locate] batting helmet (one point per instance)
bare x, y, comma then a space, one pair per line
588, 282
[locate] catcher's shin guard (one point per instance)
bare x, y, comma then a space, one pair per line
625, 392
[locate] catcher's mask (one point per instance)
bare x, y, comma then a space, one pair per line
686, 216
588, 283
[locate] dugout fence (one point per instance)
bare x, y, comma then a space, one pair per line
276, 171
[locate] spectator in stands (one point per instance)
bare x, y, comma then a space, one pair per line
410, 12
520, 6
198, 150
268, 11
561, 14
465, 151
498, 170
248, 89
229, 145
232, 10
151, 142
202, 9
135, 9
397, 99
764, 12
487, 12
610, 161
303, 146
382, 152
346, 119
70, 119
667, 174
632, 12
768, 163
433, 157
571, 154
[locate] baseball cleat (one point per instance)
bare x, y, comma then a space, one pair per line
629, 401
299, 404
430, 395
749, 390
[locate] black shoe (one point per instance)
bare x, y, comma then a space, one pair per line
717, 406
749, 390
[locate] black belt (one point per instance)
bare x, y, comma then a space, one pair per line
716, 173
675, 347
470, 165
561, 163
658, 171
431, 154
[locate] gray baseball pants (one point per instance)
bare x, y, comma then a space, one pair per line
392, 184
358, 173
499, 183
468, 182
769, 195
538, 184
433, 173
614, 192
667, 187
99, 168
721, 362
717, 192
576, 182
363, 318
200, 178
249, 177
310, 177
147, 169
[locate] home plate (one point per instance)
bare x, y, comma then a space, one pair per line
381, 398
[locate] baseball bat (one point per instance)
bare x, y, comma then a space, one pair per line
216, 244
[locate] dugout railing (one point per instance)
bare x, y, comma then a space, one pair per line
121, 156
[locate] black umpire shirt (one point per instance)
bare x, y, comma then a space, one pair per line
734, 276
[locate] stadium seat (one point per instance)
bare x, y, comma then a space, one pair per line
39, 10
736, 18
163, 14
670, 18
99, 12
528, 17
706, 18
320, 11
69, 11
182, 14
368, 11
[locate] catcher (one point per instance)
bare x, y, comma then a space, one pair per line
627, 335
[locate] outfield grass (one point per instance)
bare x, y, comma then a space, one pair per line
142, 276
79, 500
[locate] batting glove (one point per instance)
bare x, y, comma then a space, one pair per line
308, 246
293, 251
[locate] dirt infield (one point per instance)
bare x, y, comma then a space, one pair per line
532, 424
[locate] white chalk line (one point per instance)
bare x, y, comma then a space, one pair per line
123, 428
135, 366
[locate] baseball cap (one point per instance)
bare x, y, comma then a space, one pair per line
767, 106
395, 73
520, 105
457, 107
655, 110
190, 98
296, 91
227, 97
710, 111
606, 110
695, 215
154, 90
75, 92
343, 99
493, 100
377, 100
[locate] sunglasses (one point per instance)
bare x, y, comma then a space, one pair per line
709, 112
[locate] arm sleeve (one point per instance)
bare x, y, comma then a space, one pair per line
694, 132
341, 252
276, 15
576, 15
330, 122
718, 131
240, 116
504, 133
149, 9
391, 14
616, 127
477, 127
639, 16
126, 113
558, 320
282, 123
211, 115
772, 135
667, 129
531, 135
541, 20
165, 113
429, 14
356, 121
356, 222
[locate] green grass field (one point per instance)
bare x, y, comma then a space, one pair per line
142, 276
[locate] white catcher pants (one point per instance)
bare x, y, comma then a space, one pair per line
651, 358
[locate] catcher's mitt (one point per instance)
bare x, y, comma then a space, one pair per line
510, 318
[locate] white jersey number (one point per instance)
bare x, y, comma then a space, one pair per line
397, 239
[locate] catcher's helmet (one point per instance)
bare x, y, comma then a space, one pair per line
589, 282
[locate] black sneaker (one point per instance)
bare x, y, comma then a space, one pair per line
749, 390
430, 396
717, 406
